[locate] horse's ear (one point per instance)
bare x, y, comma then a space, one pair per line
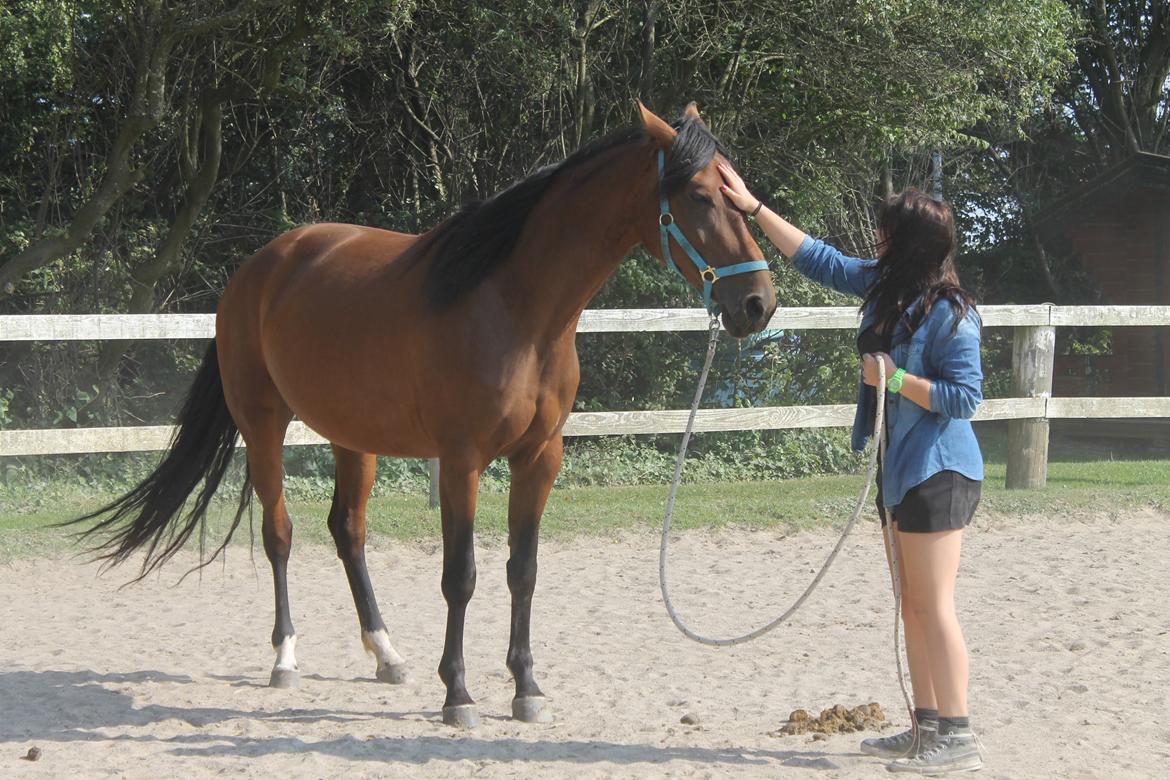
692, 110
656, 127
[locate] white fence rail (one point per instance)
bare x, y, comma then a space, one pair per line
100, 327
73, 441
1029, 412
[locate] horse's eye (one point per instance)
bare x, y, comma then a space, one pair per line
699, 197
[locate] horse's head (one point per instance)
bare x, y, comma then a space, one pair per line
697, 230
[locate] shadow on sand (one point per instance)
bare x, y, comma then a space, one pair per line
70, 706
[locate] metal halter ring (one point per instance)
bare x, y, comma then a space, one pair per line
709, 274
666, 219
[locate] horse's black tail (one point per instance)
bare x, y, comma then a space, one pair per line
151, 515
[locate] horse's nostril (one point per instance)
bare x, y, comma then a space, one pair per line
753, 307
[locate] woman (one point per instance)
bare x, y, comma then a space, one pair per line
920, 322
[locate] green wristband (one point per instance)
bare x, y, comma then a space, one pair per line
894, 383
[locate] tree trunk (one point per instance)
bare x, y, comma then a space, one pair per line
646, 77
416, 109
167, 257
581, 73
1113, 101
1052, 291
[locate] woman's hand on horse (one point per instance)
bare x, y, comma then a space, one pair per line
736, 191
869, 367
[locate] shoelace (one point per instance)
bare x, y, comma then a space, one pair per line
931, 751
898, 739
942, 743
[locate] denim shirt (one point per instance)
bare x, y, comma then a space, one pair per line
921, 442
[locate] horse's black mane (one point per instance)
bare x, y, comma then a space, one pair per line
466, 248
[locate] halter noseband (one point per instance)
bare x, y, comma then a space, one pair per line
708, 273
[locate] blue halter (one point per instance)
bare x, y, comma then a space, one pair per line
708, 273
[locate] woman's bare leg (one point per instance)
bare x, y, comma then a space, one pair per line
930, 565
916, 653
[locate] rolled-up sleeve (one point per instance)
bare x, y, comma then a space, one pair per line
958, 388
829, 266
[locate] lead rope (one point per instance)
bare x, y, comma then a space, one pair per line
879, 425
891, 540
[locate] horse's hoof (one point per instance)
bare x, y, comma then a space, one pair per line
532, 709
464, 716
395, 674
284, 678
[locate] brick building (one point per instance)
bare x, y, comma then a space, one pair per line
1117, 226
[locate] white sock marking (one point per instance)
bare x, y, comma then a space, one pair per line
286, 654
378, 643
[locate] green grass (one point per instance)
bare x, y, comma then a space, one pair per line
1079, 488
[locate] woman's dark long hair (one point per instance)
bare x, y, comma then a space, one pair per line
916, 261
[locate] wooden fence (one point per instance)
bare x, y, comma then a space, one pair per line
1028, 411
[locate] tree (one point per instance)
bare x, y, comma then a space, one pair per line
1119, 95
1112, 102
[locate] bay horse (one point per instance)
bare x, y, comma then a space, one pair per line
458, 344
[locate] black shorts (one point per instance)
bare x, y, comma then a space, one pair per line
946, 501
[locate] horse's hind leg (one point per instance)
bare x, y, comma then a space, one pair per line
347, 523
262, 419
532, 479
266, 469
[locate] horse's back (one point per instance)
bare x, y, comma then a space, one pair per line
319, 244
319, 256
318, 314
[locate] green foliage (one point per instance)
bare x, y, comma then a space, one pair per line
996, 359
713, 458
36, 37
6, 394
1089, 341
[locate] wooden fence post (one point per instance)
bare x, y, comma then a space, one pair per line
433, 467
1033, 351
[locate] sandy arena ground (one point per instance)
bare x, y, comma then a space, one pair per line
1067, 621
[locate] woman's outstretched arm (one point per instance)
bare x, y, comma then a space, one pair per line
786, 236
822, 263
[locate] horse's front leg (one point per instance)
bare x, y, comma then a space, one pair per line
347, 524
532, 479
458, 484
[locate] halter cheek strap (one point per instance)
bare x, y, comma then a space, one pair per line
668, 228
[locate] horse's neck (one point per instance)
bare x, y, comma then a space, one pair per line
575, 239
